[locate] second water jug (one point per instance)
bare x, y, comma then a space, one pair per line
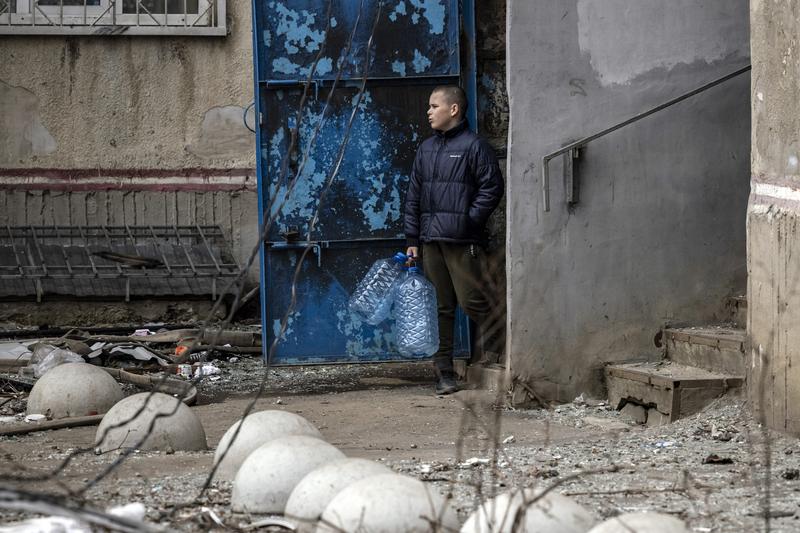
416, 316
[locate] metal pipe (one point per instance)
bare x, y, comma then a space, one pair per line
586, 140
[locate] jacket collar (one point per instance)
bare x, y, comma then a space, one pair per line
452, 132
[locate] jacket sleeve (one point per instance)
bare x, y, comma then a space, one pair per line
411, 221
489, 182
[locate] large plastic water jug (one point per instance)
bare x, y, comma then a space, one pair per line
372, 298
416, 316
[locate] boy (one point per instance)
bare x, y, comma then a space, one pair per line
455, 185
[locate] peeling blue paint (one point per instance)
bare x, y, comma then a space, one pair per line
284, 66
276, 326
324, 66
297, 29
420, 62
400, 9
377, 211
399, 67
434, 13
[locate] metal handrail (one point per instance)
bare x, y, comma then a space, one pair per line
570, 148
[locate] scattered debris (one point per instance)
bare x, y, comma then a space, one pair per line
474, 461
715, 459
791, 474
46, 357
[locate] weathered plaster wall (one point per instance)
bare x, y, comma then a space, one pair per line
135, 129
773, 216
130, 102
659, 233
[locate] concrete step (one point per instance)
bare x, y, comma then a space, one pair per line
713, 348
737, 310
665, 391
485, 377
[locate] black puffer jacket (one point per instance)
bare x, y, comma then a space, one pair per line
454, 187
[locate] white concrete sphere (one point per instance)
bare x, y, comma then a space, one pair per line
312, 495
74, 389
644, 522
553, 513
258, 428
389, 503
269, 475
180, 430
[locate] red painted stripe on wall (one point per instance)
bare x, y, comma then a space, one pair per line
193, 179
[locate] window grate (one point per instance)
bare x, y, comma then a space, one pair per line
113, 17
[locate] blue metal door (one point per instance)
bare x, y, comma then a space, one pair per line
334, 159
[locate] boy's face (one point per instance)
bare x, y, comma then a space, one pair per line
442, 116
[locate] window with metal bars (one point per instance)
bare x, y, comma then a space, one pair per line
113, 17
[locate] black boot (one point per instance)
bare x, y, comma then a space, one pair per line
446, 384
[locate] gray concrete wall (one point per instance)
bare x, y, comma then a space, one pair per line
659, 234
773, 217
106, 130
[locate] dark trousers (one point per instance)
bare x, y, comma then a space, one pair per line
457, 272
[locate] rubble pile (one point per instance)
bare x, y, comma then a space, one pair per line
276, 470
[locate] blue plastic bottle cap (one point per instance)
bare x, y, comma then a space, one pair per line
400, 257
413, 269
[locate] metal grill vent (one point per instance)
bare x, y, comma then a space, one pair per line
113, 261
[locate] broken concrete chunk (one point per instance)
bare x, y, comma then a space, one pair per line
259, 428
553, 513
650, 522
389, 503
656, 418
74, 389
607, 424
633, 412
315, 491
176, 426
269, 475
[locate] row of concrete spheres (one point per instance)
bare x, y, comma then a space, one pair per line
279, 463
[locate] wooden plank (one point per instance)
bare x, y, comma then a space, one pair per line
77, 208
4, 215
129, 208
18, 207
171, 207
60, 209
33, 208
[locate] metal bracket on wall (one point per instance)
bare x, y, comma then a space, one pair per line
572, 175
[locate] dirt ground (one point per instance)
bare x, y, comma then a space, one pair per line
388, 413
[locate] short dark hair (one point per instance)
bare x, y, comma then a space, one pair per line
453, 94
